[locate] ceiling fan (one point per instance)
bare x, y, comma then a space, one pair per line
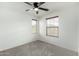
36, 6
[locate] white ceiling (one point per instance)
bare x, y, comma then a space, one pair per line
21, 7
52, 6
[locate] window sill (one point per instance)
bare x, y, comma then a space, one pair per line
52, 36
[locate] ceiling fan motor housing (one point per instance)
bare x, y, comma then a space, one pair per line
36, 4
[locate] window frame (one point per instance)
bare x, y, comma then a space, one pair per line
36, 26
51, 27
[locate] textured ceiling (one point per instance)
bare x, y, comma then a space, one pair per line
52, 6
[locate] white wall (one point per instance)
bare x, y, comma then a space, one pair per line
15, 25
78, 23
78, 31
67, 28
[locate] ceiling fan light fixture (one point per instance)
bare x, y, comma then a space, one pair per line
36, 9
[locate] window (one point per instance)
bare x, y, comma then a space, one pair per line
52, 28
34, 26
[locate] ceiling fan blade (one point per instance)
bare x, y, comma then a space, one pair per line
28, 3
28, 10
44, 9
41, 3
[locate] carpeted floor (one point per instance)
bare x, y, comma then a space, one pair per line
38, 48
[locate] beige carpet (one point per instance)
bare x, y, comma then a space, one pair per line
38, 48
